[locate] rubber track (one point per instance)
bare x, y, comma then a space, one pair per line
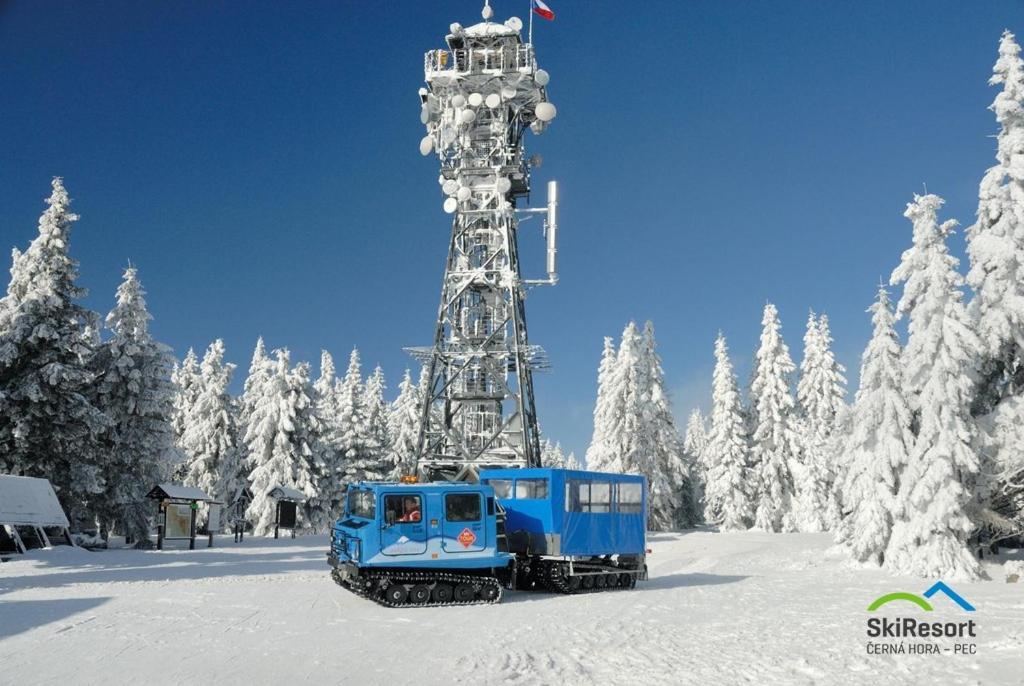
373, 585
551, 578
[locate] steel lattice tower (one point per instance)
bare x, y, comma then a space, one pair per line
482, 95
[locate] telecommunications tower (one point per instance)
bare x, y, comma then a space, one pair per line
483, 92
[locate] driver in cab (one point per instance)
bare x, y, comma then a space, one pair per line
411, 507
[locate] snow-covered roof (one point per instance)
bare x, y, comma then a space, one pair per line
25, 500
282, 493
489, 28
176, 492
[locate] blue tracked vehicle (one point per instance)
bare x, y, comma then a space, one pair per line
452, 543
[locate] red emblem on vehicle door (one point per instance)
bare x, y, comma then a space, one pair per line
467, 538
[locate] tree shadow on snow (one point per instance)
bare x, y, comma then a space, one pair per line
22, 615
132, 566
683, 580
656, 583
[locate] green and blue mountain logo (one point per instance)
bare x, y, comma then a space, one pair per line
922, 600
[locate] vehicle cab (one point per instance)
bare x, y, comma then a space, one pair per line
426, 526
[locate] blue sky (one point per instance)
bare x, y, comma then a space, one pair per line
258, 162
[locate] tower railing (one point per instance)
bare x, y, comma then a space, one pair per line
478, 60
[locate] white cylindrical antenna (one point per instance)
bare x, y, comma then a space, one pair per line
552, 227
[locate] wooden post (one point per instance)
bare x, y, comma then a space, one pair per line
277, 518
161, 524
192, 527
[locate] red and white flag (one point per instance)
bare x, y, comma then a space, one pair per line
543, 10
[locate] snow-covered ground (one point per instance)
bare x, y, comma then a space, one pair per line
745, 608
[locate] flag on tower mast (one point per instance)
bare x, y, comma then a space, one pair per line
543, 10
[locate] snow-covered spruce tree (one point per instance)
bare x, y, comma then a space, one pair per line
775, 447
878, 449
551, 455
996, 250
996, 240
820, 392
695, 441
933, 525
602, 454
822, 386
671, 464
187, 382
378, 422
50, 426
321, 507
210, 443
573, 462
135, 391
278, 439
833, 421
405, 427
261, 369
359, 458
326, 464
729, 481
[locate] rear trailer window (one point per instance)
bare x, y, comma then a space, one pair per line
362, 504
630, 498
531, 489
462, 507
587, 496
600, 496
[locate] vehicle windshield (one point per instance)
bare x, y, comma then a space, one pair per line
361, 503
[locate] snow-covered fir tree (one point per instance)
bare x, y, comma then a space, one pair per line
996, 250
878, 449
820, 392
136, 393
278, 440
671, 464
551, 455
696, 435
187, 382
728, 491
694, 442
601, 454
322, 506
327, 467
378, 422
405, 426
775, 448
933, 503
50, 426
359, 458
261, 369
996, 240
574, 462
210, 443
635, 431
822, 386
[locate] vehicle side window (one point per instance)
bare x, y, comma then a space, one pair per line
531, 489
462, 507
630, 498
600, 496
577, 496
403, 509
502, 487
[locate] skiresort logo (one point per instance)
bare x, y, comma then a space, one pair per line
921, 602
898, 629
